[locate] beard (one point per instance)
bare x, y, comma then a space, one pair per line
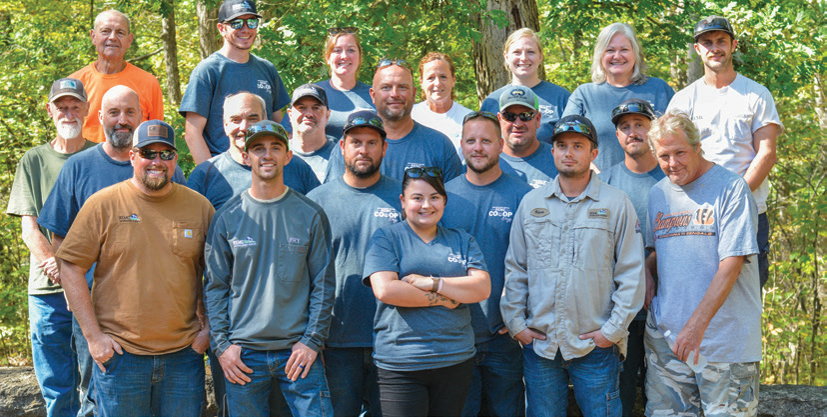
119, 140
70, 131
365, 172
487, 165
394, 116
154, 183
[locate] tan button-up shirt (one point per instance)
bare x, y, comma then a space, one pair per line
573, 267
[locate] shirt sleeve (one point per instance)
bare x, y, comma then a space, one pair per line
335, 165
737, 221
575, 104
21, 201
82, 243
515, 291
219, 259
323, 284
198, 95
61, 206
381, 256
766, 112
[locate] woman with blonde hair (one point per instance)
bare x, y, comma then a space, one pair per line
523, 54
439, 110
619, 73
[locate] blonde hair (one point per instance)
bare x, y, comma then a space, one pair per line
671, 123
436, 56
522, 33
331, 42
641, 71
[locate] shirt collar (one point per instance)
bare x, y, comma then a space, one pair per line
592, 190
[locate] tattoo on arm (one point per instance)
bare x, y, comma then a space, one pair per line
434, 299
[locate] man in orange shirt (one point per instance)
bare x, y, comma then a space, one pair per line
112, 38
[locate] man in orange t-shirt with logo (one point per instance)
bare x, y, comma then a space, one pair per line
112, 38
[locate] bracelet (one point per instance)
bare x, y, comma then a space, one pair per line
439, 290
435, 284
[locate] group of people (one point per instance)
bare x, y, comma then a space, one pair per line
366, 255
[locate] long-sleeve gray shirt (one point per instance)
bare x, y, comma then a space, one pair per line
270, 274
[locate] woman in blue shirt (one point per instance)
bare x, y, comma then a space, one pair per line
424, 277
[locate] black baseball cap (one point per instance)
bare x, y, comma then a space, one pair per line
633, 106
577, 124
710, 23
310, 90
154, 131
365, 118
231, 9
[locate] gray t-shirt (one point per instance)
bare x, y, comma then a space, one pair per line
536, 169
316, 159
355, 214
269, 280
693, 228
341, 105
486, 212
418, 338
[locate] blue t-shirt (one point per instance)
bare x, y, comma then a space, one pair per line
82, 175
553, 99
596, 101
486, 212
217, 77
367, 209
341, 105
318, 158
417, 338
221, 178
423, 146
536, 169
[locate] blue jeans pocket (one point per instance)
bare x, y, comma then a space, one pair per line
110, 364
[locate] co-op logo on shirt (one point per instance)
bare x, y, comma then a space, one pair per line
265, 85
457, 258
389, 213
242, 243
504, 213
133, 218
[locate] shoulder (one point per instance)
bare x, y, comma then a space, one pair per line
427, 133
546, 88
322, 193
133, 71
312, 208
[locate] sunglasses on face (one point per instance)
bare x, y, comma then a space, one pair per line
573, 126
336, 31
524, 116
476, 114
237, 24
419, 172
386, 62
361, 121
166, 155
274, 128
632, 108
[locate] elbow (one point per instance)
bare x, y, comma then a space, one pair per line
482, 290
381, 293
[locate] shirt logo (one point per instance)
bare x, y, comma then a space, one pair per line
539, 212
547, 111
242, 243
64, 84
504, 213
517, 93
129, 219
457, 258
705, 216
598, 213
188, 233
265, 85
686, 223
294, 240
387, 212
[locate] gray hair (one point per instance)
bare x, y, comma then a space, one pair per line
100, 16
641, 71
264, 115
672, 122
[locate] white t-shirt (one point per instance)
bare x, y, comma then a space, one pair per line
449, 123
726, 118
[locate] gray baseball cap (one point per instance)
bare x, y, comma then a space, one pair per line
518, 94
67, 87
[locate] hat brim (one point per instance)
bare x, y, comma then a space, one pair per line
233, 16
617, 117
262, 134
697, 35
147, 142
67, 93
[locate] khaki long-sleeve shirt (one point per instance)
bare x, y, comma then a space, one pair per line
573, 267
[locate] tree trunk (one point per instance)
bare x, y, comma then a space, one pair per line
208, 39
489, 64
171, 54
695, 68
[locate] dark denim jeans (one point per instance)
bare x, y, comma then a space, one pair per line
158, 385
634, 364
306, 396
54, 359
498, 378
594, 376
351, 375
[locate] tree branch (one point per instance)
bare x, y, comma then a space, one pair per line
143, 57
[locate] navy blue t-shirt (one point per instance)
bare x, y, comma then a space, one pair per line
423, 146
417, 338
485, 211
221, 178
341, 105
536, 169
552, 98
318, 158
355, 214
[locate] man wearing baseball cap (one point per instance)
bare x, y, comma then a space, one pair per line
576, 252
53, 357
737, 119
308, 114
230, 70
372, 201
523, 155
635, 176
145, 321
269, 252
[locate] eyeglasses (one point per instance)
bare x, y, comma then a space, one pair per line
633, 108
236, 24
166, 155
386, 62
573, 126
476, 114
275, 128
419, 172
524, 116
348, 30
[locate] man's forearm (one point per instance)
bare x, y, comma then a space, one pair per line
764, 143
35, 240
728, 271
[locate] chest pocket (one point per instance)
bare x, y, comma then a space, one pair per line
188, 239
292, 262
593, 245
542, 238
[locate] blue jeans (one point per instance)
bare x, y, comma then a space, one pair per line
307, 396
351, 376
498, 378
85, 362
55, 363
158, 385
594, 376
763, 248
278, 406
